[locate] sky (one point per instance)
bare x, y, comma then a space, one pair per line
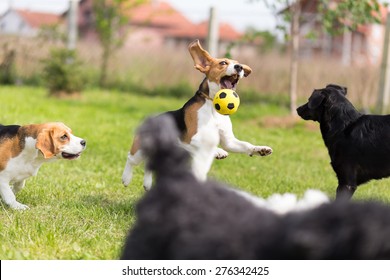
239, 13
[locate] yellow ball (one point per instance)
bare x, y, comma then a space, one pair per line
226, 101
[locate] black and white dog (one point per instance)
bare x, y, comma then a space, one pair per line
184, 218
358, 144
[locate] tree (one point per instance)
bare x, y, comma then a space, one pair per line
337, 17
267, 39
111, 18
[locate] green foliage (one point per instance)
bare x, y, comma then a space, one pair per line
111, 18
181, 90
51, 33
7, 67
62, 72
267, 41
335, 16
349, 14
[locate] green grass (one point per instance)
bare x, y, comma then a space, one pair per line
80, 210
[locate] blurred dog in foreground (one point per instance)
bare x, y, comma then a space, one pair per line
183, 218
358, 144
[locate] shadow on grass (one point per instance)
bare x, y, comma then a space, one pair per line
112, 206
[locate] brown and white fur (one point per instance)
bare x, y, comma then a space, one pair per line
198, 115
23, 149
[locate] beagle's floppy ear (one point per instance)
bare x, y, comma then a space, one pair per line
202, 59
45, 143
247, 70
315, 99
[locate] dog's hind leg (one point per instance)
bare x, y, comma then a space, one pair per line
345, 192
9, 197
132, 160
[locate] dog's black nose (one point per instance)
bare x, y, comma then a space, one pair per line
83, 143
238, 68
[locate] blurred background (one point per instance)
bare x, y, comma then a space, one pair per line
140, 46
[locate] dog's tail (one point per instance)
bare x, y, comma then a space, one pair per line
160, 146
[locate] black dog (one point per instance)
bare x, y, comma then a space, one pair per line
182, 218
358, 144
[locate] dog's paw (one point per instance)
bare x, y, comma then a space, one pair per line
261, 151
126, 178
221, 154
148, 180
127, 174
19, 206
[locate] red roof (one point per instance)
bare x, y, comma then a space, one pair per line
226, 32
160, 14
38, 19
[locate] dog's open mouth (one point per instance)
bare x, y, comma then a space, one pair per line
70, 156
229, 82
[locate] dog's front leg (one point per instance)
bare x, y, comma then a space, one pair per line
9, 197
232, 144
345, 192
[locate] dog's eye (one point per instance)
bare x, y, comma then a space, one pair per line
223, 63
64, 137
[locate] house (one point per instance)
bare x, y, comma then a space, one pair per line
156, 23
26, 23
360, 47
151, 25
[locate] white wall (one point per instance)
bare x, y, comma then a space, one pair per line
12, 23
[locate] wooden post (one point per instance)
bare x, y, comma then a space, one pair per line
213, 33
72, 24
384, 81
347, 47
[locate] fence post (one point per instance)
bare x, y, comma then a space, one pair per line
213, 33
72, 24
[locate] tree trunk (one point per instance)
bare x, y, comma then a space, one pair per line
295, 11
384, 82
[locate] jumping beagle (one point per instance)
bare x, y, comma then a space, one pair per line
23, 149
199, 115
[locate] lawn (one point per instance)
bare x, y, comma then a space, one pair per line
80, 210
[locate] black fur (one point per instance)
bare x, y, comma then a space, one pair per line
182, 218
8, 131
178, 115
358, 144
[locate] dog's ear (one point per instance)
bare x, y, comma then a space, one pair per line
45, 143
315, 99
342, 89
247, 70
202, 59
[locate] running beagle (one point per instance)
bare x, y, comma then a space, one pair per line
23, 149
198, 115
